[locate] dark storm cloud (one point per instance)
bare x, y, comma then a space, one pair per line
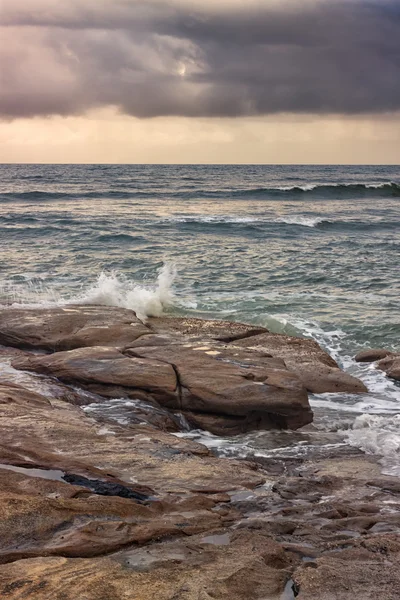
211, 59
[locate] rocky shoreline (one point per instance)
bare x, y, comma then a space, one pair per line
93, 509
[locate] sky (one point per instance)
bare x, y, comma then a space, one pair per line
190, 81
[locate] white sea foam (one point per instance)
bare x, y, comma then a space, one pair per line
222, 219
146, 300
307, 187
379, 435
303, 221
110, 289
216, 219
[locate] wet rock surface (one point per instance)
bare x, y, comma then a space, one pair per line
97, 509
386, 360
391, 366
318, 372
248, 544
372, 355
65, 328
218, 386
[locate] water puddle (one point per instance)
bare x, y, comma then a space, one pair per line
290, 592
96, 486
52, 474
217, 540
142, 561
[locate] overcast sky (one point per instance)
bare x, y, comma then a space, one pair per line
200, 81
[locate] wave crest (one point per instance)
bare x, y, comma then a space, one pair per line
359, 190
114, 289
110, 289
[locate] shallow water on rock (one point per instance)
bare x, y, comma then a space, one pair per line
52, 474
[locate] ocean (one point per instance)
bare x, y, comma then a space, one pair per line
306, 250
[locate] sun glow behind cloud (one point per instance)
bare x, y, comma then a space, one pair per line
268, 81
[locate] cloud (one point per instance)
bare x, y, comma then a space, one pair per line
199, 59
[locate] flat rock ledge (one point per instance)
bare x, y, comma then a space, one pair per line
96, 510
227, 378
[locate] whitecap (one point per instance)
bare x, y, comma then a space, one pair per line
378, 435
110, 289
115, 289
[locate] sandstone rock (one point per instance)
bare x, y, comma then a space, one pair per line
372, 355
50, 518
134, 412
255, 390
69, 327
349, 574
32, 433
223, 331
255, 381
223, 425
233, 566
13, 394
391, 366
213, 380
304, 357
106, 366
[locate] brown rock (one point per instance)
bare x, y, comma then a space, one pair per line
304, 357
69, 327
227, 566
249, 390
13, 394
105, 366
223, 331
42, 517
391, 366
32, 433
372, 355
354, 573
213, 382
227, 426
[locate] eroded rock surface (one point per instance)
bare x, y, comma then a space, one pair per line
340, 544
372, 355
228, 377
318, 372
95, 510
253, 390
249, 565
54, 435
68, 327
223, 331
391, 366
51, 518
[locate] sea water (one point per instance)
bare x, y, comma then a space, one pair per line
305, 250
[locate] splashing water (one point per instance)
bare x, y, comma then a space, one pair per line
110, 289
115, 289
379, 435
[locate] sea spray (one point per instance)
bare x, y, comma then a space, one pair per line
115, 289
380, 435
111, 289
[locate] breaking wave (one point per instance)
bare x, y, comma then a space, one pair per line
379, 435
312, 190
110, 289
227, 220
358, 190
146, 300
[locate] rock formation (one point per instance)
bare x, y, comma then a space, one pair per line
99, 510
387, 361
225, 377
